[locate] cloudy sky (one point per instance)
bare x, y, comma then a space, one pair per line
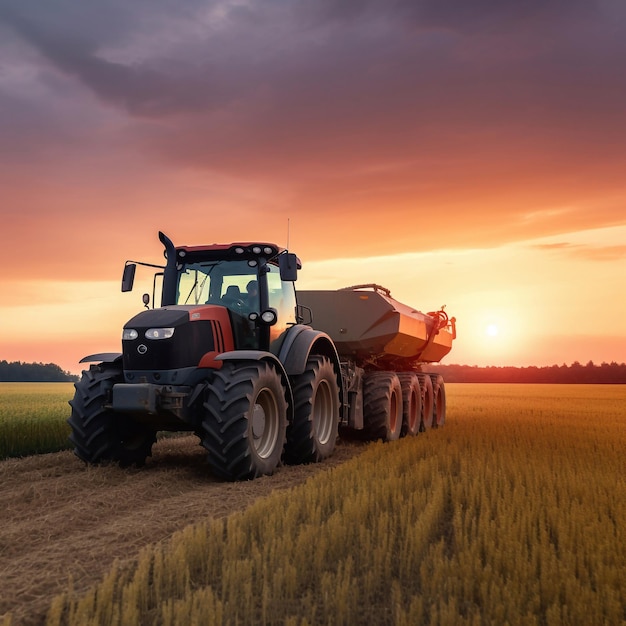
471, 154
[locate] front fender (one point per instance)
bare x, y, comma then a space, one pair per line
103, 357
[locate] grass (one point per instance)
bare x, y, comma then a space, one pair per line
33, 417
513, 513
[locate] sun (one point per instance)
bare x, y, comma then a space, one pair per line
492, 330
495, 336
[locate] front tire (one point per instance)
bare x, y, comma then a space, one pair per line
382, 406
312, 435
99, 434
245, 420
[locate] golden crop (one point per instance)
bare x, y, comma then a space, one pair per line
513, 513
33, 417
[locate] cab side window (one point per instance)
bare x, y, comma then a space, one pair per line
282, 297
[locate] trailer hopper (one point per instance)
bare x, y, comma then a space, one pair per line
367, 324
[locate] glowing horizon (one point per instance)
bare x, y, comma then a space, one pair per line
88, 316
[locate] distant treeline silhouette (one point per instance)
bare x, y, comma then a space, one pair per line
18, 372
606, 373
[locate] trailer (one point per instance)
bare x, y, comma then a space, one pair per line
377, 337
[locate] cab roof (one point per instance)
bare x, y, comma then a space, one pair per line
231, 251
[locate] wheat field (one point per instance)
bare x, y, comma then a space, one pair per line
513, 513
33, 417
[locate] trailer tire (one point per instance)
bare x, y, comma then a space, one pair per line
428, 402
99, 434
382, 406
411, 404
439, 402
312, 435
245, 420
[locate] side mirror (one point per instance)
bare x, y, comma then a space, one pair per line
288, 265
128, 277
146, 300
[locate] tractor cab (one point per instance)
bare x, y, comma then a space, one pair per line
261, 305
253, 281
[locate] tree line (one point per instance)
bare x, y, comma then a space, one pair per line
18, 372
605, 373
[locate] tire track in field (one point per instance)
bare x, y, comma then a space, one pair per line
62, 519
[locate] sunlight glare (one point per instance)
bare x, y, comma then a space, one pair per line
492, 330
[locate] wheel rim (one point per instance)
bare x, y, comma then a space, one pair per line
428, 408
414, 417
393, 412
264, 423
323, 412
440, 407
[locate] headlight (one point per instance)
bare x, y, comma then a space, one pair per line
130, 333
159, 333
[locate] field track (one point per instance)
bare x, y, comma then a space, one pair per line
62, 519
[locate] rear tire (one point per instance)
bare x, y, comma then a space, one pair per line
99, 434
411, 404
245, 419
439, 404
312, 435
428, 402
382, 406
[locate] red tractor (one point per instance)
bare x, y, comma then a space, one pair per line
228, 356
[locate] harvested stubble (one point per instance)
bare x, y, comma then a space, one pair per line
513, 513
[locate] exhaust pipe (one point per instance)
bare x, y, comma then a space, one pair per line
169, 277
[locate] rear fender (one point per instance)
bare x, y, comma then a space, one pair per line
301, 341
259, 355
304, 341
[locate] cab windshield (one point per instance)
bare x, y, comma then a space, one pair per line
229, 283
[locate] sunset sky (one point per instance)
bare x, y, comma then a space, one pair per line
471, 154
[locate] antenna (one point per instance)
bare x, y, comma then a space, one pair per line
287, 233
